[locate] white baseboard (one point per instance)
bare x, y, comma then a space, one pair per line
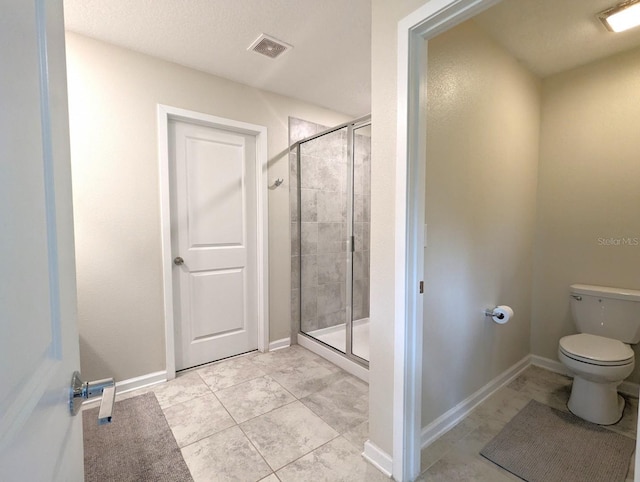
143, 381
549, 364
378, 458
626, 388
281, 343
347, 365
135, 383
446, 421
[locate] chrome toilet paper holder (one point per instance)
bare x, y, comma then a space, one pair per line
492, 312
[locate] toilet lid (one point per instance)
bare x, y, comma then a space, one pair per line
596, 349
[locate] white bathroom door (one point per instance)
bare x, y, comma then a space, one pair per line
214, 242
39, 438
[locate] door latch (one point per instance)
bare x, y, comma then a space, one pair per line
81, 391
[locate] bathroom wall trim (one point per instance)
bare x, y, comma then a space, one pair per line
279, 344
166, 113
446, 421
431, 19
626, 388
124, 386
378, 458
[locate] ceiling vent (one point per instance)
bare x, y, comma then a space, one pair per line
269, 46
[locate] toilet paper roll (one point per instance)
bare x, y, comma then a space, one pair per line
502, 314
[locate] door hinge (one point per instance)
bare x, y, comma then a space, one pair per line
421, 287
353, 244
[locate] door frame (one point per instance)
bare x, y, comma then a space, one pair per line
433, 18
414, 30
165, 114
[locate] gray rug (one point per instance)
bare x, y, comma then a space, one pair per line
136, 446
542, 444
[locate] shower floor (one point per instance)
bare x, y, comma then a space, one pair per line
335, 336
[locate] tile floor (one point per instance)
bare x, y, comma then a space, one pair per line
455, 455
287, 415
290, 415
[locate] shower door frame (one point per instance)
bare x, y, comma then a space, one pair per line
351, 127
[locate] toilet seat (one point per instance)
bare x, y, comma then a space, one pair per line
596, 350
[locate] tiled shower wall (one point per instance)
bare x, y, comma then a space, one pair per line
321, 257
361, 225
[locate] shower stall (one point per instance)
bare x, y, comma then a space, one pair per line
331, 206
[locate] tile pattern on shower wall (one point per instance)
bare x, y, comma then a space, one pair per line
319, 230
298, 130
323, 173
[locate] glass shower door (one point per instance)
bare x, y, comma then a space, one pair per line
361, 195
333, 213
322, 205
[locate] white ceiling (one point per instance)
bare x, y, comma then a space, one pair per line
549, 36
330, 64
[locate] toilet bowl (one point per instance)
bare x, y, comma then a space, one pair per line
599, 357
598, 365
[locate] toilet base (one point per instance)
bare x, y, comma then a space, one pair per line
596, 402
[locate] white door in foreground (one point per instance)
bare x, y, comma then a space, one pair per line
39, 439
214, 242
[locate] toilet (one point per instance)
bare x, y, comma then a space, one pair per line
600, 358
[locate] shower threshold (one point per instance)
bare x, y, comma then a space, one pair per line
335, 337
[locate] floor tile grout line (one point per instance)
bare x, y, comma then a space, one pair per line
186, 401
539, 387
268, 411
208, 435
321, 417
262, 376
196, 383
177, 403
274, 470
226, 409
309, 452
257, 450
236, 423
325, 421
350, 441
267, 370
234, 384
283, 387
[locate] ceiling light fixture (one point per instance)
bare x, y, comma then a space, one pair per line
621, 17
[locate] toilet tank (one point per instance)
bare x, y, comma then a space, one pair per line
610, 312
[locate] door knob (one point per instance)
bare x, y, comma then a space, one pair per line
178, 260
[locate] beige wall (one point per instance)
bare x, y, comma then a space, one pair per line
587, 162
113, 94
589, 190
385, 17
483, 120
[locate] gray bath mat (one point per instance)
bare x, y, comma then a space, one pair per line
542, 444
136, 446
